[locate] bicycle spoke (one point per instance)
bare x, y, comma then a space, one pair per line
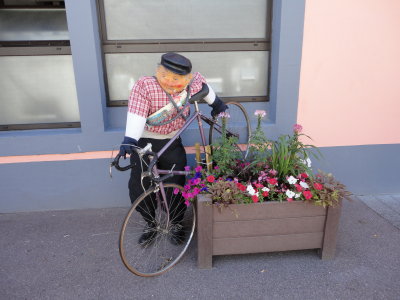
160, 253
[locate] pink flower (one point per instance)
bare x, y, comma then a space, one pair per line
187, 203
187, 168
297, 128
224, 114
289, 199
198, 169
210, 178
273, 172
258, 185
260, 113
307, 194
196, 191
176, 191
216, 168
186, 187
196, 181
254, 198
318, 186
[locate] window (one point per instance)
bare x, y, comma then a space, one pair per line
228, 42
36, 72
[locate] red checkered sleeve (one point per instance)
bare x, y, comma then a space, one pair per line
197, 83
139, 102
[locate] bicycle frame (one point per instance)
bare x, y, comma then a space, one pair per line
157, 172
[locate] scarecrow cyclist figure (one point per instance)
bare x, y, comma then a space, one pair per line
153, 118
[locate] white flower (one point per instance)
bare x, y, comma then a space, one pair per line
251, 190
292, 180
297, 195
304, 184
265, 189
307, 162
290, 194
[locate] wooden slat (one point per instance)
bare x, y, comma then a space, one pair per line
331, 228
266, 210
204, 234
268, 227
260, 244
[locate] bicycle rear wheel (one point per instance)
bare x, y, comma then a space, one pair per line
160, 254
238, 123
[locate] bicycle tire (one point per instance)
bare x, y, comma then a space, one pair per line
238, 123
160, 255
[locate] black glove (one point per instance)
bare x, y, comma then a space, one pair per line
126, 146
218, 107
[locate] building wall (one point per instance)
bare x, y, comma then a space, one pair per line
68, 168
349, 92
350, 69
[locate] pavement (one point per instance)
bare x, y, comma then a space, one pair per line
74, 255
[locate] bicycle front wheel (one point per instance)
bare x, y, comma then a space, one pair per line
238, 123
163, 248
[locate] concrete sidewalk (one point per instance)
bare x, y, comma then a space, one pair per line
74, 255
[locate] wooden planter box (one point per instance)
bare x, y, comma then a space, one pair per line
264, 227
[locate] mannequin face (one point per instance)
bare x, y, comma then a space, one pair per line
171, 82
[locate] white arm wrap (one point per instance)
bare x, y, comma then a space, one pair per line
211, 96
134, 126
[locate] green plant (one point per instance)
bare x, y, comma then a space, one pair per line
289, 156
225, 151
331, 190
277, 170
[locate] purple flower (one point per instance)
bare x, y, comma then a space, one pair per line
187, 168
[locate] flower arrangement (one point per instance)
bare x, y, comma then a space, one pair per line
277, 170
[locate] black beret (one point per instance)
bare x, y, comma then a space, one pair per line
176, 63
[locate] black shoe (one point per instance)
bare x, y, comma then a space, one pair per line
149, 234
177, 234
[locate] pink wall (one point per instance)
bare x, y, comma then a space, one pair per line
350, 72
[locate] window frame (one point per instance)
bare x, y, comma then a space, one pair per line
35, 48
184, 45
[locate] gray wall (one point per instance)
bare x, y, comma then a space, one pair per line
86, 184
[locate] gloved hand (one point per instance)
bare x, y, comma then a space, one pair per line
126, 146
218, 107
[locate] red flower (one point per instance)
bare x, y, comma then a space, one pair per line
289, 199
265, 194
299, 188
303, 175
272, 181
318, 186
241, 186
254, 198
307, 194
210, 178
258, 185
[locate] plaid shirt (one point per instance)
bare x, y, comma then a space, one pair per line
147, 97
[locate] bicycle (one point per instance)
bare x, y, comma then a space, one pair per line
160, 254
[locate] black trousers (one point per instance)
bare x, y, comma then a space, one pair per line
175, 154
